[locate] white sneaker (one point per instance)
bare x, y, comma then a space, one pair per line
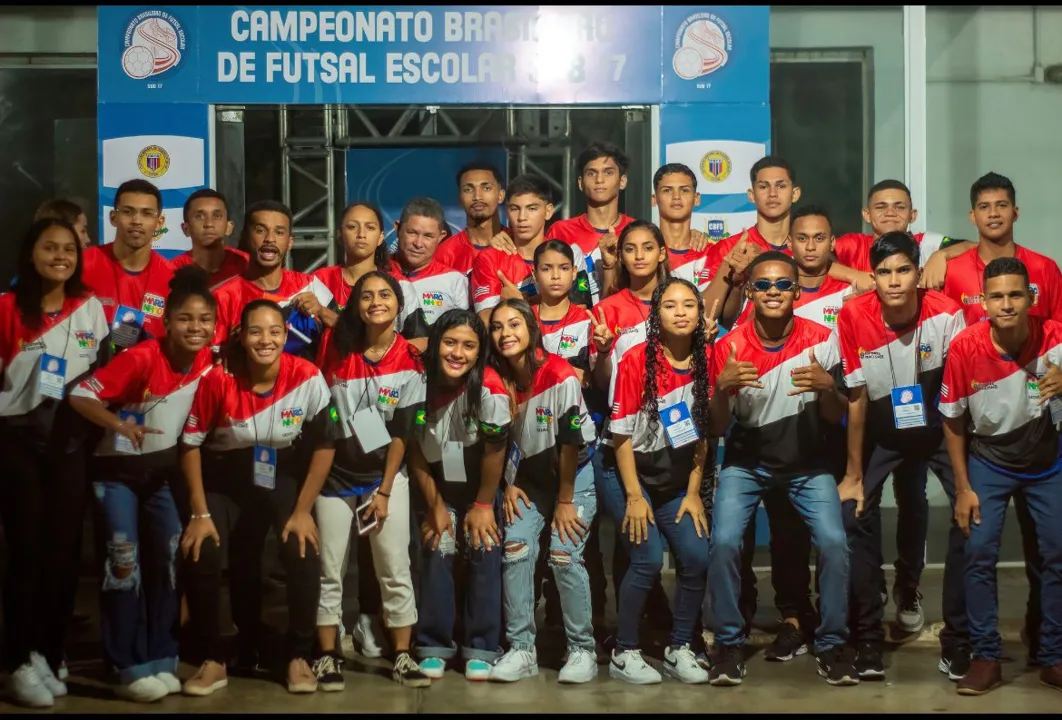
173, 685
365, 637
28, 690
580, 668
630, 667
64, 672
515, 665
44, 671
682, 665
145, 690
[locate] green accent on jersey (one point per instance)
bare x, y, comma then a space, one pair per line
421, 418
334, 414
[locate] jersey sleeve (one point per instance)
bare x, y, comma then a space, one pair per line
411, 405
955, 324
848, 344
205, 406
119, 383
953, 398
828, 355
574, 426
486, 287
846, 249
580, 293
1053, 282
100, 327
627, 399
495, 416
460, 290
319, 430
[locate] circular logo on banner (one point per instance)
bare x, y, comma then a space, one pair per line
153, 161
153, 42
715, 166
702, 46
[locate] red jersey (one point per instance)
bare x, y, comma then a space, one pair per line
235, 263
235, 293
853, 249
820, 305
458, 252
774, 430
964, 283
487, 286
578, 232
74, 334
690, 264
718, 252
145, 291
1009, 428
142, 380
332, 278
569, 337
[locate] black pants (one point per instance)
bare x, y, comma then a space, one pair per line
243, 515
43, 495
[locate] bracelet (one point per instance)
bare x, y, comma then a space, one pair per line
204, 516
485, 506
608, 267
565, 502
960, 492
634, 499
386, 495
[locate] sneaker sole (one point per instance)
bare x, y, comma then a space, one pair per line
632, 681
846, 681
302, 688
945, 667
973, 691
331, 686
576, 681
529, 674
685, 681
414, 682
724, 681
802, 650
204, 691
910, 629
434, 675
872, 674
478, 678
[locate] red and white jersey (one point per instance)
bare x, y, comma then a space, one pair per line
660, 466
853, 249
569, 337
691, 265
718, 252
881, 358
436, 288
235, 263
774, 430
447, 420
551, 413
393, 388
458, 252
142, 380
487, 286
964, 283
821, 305
332, 278
578, 232
235, 293
227, 414
626, 317
113, 285
75, 334
1010, 428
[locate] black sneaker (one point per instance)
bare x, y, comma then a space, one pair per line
836, 666
868, 662
955, 663
329, 671
728, 666
407, 672
789, 643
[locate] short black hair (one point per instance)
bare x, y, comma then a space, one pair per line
992, 181
263, 206
530, 184
482, 165
771, 161
599, 150
808, 211
676, 169
773, 256
558, 246
199, 195
892, 243
139, 186
888, 185
1006, 266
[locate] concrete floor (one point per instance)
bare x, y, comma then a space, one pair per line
912, 685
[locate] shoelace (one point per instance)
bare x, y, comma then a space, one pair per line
405, 664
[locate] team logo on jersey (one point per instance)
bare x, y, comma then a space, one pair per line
291, 417
829, 314
388, 396
1035, 292
971, 299
153, 161
568, 342
334, 414
421, 418
86, 340
543, 418
869, 354
582, 284
976, 386
925, 351
702, 46
576, 422
153, 42
715, 166
431, 299
37, 344
153, 305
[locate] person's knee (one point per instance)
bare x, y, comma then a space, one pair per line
832, 540
122, 566
209, 561
447, 543
727, 538
982, 547
693, 562
298, 558
516, 549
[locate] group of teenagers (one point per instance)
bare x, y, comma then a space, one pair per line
462, 412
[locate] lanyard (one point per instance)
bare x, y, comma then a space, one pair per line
272, 415
917, 348
69, 330
371, 375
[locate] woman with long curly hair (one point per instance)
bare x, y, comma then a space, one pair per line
660, 425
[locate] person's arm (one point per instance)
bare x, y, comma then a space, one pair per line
320, 465
567, 465
421, 344
967, 504
832, 405
724, 290
396, 451
935, 270
628, 471
419, 471
851, 487
191, 461
97, 413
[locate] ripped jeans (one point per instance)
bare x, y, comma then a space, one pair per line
138, 599
520, 549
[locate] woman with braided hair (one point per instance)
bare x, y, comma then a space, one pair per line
660, 424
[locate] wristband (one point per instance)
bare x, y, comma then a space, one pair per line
960, 492
634, 499
204, 516
386, 495
485, 506
565, 502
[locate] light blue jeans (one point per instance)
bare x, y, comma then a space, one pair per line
566, 560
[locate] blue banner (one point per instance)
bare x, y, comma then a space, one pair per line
439, 55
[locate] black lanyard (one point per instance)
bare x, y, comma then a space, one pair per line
272, 416
917, 348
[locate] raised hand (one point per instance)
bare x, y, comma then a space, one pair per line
603, 336
737, 374
811, 378
509, 291
711, 325
609, 246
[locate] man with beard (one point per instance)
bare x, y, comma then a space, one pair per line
479, 187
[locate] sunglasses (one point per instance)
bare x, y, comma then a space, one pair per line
781, 284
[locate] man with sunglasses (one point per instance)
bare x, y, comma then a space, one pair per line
130, 279
777, 379
894, 343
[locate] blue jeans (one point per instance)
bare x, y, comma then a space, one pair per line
138, 600
1044, 498
478, 589
647, 560
566, 560
815, 498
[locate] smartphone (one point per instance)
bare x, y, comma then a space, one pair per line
365, 526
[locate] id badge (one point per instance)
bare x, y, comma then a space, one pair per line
678, 424
265, 467
908, 410
122, 444
512, 463
125, 330
51, 382
370, 430
453, 461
